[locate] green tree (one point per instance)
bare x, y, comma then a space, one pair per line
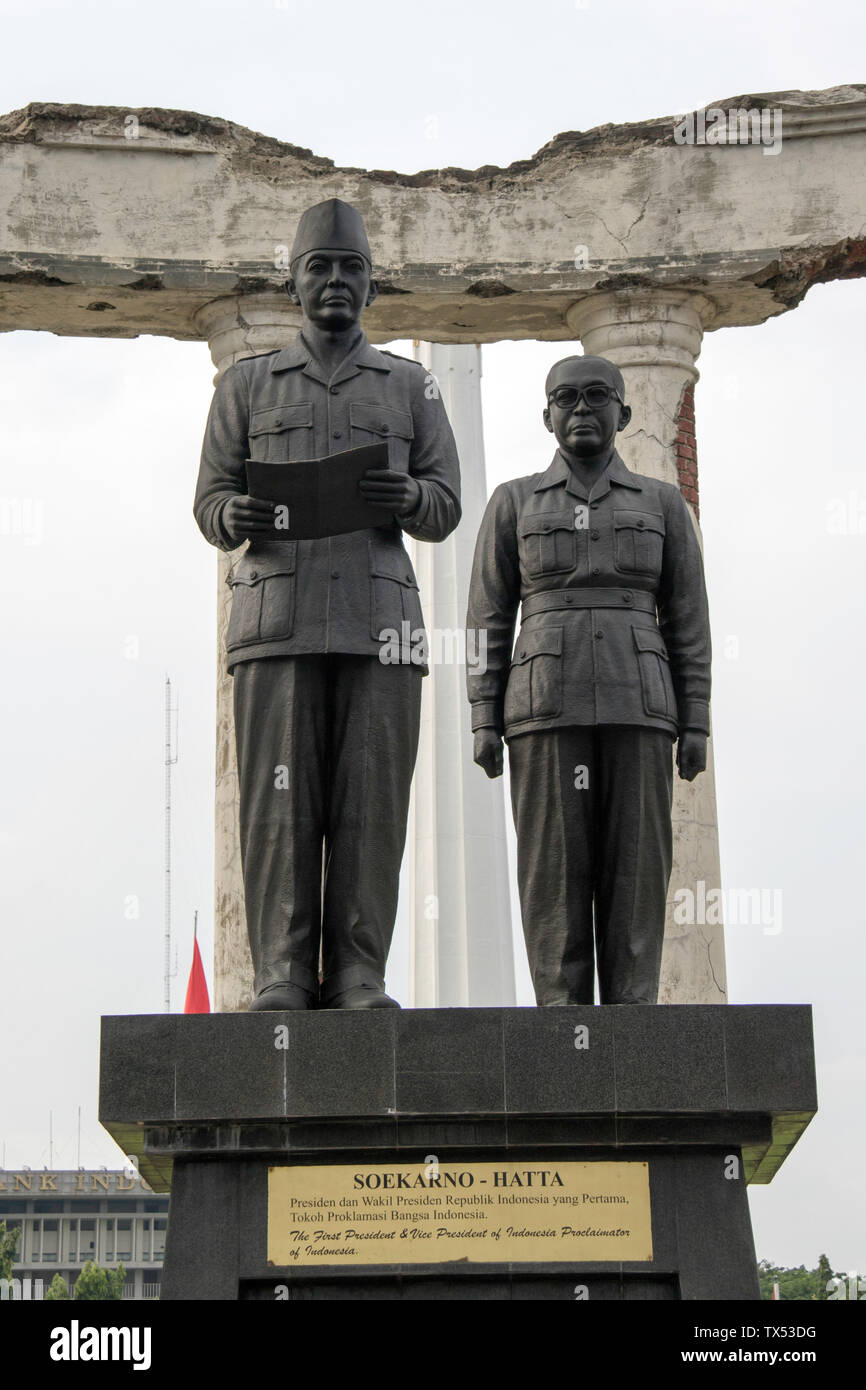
95, 1283
57, 1289
8, 1249
825, 1274
801, 1284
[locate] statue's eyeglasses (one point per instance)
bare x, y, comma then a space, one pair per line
596, 397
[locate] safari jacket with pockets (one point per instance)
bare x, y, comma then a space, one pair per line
614, 616
337, 594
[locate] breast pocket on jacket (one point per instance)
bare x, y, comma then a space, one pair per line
534, 689
382, 424
394, 596
547, 543
656, 683
263, 598
638, 542
282, 433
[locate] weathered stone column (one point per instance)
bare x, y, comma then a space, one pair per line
461, 947
654, 337
235, 327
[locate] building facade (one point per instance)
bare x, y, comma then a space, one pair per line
67, 1217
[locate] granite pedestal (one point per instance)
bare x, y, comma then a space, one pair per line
709, 1098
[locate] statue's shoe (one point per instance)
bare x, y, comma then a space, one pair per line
362, 997
281, 997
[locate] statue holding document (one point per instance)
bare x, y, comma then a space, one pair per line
320, 456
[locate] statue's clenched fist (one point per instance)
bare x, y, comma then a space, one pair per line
691, 754
487, 752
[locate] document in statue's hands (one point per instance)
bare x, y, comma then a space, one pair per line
321, 495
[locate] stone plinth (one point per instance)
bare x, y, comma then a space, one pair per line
710, 1098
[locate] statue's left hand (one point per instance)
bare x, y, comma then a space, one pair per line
385, 487
487, 752
691, 754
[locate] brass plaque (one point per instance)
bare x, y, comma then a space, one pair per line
486, 1213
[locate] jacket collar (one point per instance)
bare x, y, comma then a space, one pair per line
299, 355
616, 472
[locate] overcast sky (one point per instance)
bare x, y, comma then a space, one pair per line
118, 587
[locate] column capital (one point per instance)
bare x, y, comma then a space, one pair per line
643, 327
246, 325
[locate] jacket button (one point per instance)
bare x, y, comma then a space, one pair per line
408, 579
596, 570
335, 574
278, 422
335, 390
254, 574
594, 506
626, 598
384, 427
569, 598
595, 535
640, 523
338, 434
599, 636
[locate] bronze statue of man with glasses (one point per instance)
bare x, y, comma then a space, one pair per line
611, 666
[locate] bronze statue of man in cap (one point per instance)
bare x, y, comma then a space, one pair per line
610, 667
326, 727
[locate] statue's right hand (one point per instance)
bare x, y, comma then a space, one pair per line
487, 752
244, 516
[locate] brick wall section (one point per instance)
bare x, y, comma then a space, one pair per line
687, 449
